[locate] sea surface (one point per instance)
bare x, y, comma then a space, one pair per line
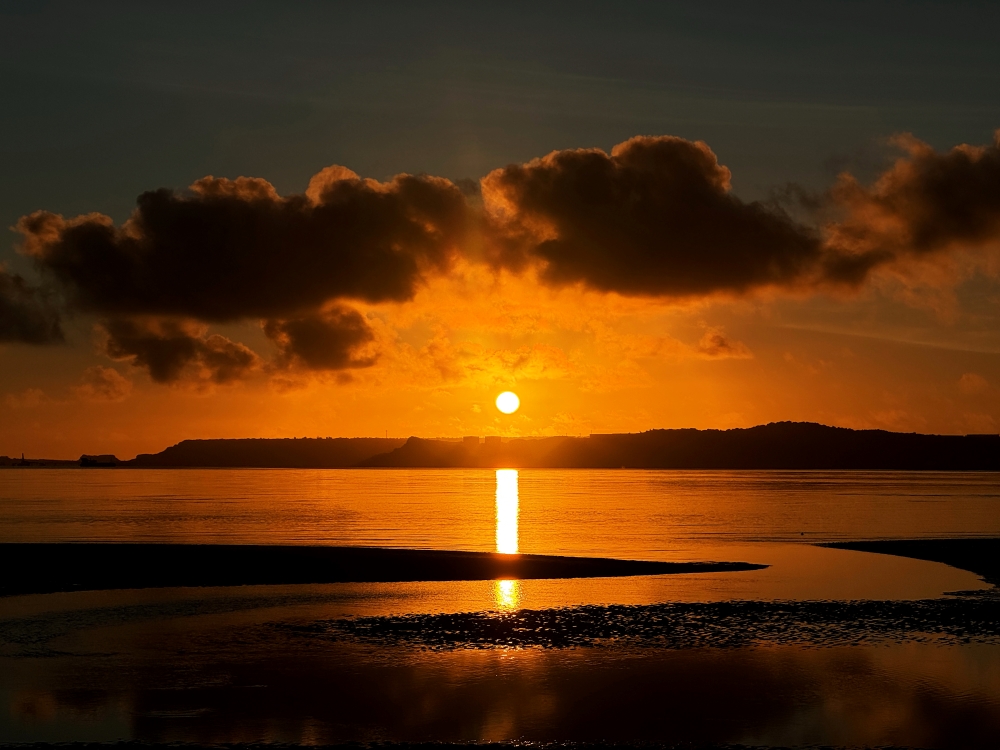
808, 650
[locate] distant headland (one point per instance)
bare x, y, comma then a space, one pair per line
779, 445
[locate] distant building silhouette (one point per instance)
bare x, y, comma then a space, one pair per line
471, 441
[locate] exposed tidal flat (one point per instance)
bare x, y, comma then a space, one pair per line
826, 646
49, 568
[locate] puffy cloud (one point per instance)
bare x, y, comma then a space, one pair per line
655, 217
173, 350
103, 384
26, 314
926, 203
235, 249
232, 249
335, 339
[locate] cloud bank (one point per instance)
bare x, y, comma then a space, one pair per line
926, 204
232, 249
654, 218
171, 350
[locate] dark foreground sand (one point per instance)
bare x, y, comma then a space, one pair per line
979, 556
520, 745
697, 628
680, 625
48, 568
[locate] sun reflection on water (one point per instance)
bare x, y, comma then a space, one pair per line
507, 511
507, 594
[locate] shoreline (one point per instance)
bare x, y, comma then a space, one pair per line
975, 554
93, 566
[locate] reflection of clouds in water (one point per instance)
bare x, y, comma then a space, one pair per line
507, 594
507, 511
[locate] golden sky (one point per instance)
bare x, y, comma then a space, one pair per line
613, 292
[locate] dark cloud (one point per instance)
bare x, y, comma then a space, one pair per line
655, 217
926, 203
332, 340
235, 249
174, 350
232, 249
26, 314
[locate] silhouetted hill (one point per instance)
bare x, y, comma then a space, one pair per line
780, 445
516, 453
103, 461
300, 453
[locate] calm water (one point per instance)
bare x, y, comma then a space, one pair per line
650, 514
249, 664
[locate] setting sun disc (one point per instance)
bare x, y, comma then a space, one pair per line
507, 402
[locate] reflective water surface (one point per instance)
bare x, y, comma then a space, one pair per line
246, 664
220, 666
654, 514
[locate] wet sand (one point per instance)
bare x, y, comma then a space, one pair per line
676, 625
673, 674
50, 568
979, 556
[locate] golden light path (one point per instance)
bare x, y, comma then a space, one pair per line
507, 511
508, 402
507, 594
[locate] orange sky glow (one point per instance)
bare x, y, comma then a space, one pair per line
908, 343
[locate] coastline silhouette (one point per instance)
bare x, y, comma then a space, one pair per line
775, 446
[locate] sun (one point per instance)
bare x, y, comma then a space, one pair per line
507, 402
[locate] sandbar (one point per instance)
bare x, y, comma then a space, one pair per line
55, 567
977, 555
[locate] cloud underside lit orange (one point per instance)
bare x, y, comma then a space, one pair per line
655, 218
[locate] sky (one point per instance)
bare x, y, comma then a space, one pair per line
263, 219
